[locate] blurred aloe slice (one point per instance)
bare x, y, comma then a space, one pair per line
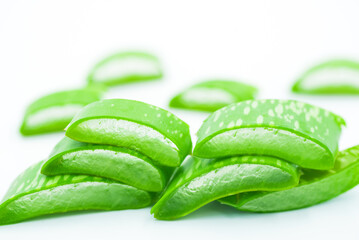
213, 95
126, 67
332, 77
53, 112
314, 187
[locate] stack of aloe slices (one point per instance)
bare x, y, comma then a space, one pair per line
117, 154
263, 155
212, 95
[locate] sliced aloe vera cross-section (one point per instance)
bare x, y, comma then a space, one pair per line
200, 181
120, 164
332, 77
213, 95
148, 129
55, 111
33, 194
314, 187
297, 132
126, 67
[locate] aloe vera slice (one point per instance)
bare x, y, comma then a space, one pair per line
54, 112
142, 127
294, 131
120, 164
213, 95
126, 67
200, 181
33, 194
314, 187
332, 77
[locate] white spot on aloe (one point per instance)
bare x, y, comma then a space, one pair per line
42, 180
260, 119
221, 124
145, 114
279, 109
181, 135
296, 125
231, 124
271, 123
271, 112
66, 177
159, 115
239, 122
207, 130
216, 116
254, 104
279, 163
246, 110
233, 108
312, 130
79, 177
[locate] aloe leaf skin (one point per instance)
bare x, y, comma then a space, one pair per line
314, 187
334, 77
158, 134
212, 95
54, 112
301, 133
33, 194
200, 181
120, 164
126, 67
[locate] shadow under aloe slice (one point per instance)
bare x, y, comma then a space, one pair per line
297, 132
120, 164
142, 127
200, 181
33, 194
314, 187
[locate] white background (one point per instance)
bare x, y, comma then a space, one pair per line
47, 46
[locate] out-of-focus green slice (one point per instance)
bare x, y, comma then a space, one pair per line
126, 67
200, 181
297, 132
213, 95
142, 127
314, 187
120, 164
332, 77
33, 194
54, 112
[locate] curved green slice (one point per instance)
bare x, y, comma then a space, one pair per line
213, 95
294, 131
142, 127
332, 77
54, 112
33, 194
126, 67
200, 181
314, 187
120, 164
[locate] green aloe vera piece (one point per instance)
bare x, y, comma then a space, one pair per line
331, 77
314, 187
294, 131
200, 181
126, 67
142, 127
33, 194
54, 112
213, 95
120, 164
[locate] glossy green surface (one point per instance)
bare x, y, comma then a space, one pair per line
294, 131
120, 164
126, 67
33, 194
213, 95
148, 129
200, 181
332, 77
314, 187
55, 111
